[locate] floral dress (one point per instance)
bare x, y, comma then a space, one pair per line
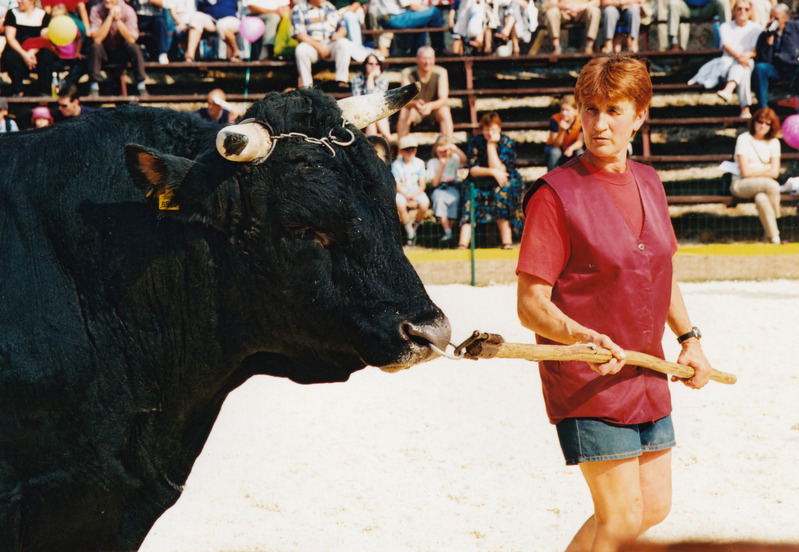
493, 202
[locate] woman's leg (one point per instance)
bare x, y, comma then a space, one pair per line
505, 236
629, 496
766, 194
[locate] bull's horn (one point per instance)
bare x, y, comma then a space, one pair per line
244, 142
362, 111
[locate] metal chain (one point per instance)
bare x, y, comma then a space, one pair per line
328, 141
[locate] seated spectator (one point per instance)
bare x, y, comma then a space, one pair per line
114, 29
219, 16
69, 105
321, 34
758, 155
442, 174
620, 19
706, 10
497, 183
76, 9
4, 6
371, 79
152, 22
218, 109
7, 124
410, 14
518, 19
776, 49
738, 40
565, 139
271, 11
409, 173
41, 117
431, 103
472, 23
582, 11
23, 23
181, 12
353, 14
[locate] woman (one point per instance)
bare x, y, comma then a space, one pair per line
497, 183
371, 79
738, 40
565, 138
758, 155
595, 266
24, 22
442, 174
628, 12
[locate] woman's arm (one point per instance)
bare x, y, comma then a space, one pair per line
538, 313
691, 353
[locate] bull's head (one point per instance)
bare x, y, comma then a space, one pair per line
316, 267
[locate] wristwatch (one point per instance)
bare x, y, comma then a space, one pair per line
693, 333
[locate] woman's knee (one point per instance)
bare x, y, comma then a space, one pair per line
654, 513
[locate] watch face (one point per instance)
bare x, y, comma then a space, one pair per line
697, 333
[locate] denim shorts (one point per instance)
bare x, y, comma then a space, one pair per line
593, 440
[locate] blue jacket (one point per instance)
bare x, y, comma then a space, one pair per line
786, 53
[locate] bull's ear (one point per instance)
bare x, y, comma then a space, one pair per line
382, 148
159, 174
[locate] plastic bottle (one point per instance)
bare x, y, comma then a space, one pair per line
54, 85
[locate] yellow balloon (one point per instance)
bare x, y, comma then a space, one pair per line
62, 30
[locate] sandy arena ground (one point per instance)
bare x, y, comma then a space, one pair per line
458, 455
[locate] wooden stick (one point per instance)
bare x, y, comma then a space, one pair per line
492, 345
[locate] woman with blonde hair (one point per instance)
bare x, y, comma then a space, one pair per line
758, 155
738, 40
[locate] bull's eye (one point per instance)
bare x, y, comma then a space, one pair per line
306, 233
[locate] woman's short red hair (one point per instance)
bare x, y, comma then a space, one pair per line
610, 78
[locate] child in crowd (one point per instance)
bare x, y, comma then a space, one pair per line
7, 124
41, 117
409, 172
565, 139
442, 173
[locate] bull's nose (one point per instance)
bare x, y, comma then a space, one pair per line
438, 333
235, 143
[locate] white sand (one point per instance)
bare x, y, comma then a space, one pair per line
459, 456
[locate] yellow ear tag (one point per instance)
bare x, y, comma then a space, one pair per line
164, 201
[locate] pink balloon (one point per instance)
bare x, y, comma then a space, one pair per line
251, 28
790, 131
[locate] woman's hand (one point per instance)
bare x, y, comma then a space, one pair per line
615, 364
29, 57
501, 176
693, 356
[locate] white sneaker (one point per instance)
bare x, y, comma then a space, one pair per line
724, 95
163, 59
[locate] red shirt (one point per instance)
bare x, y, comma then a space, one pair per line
607, 249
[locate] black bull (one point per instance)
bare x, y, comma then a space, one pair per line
124, 327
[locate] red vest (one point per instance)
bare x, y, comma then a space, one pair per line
618, 284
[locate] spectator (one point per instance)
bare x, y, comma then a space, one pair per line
271, 11
218, 109
565, 140
181, 12
716, 10
519, 18
41, 117
69, 105
620, 18
583, 11
76, 9
442, 174
371, 79
497, 183
410, 14
776, 50
409, 173
7, 124
22, 23
431, 103
472, 23
219, 16
353, 15
738, 40
114, 29
153, 26
4, 7
321, 34
758, 155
